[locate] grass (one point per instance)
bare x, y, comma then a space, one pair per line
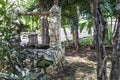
86, 40
83, 41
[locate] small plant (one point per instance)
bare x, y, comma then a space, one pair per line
86, 41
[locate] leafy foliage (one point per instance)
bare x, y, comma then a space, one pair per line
10, 62
32, 23
82, 25
86, 24
86, 41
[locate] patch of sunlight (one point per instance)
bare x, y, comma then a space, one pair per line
86, 69
78, 59
0, 5
83, 20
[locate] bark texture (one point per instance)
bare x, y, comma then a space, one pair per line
45, 30
75, 31
67, 40
100, 30
115, 70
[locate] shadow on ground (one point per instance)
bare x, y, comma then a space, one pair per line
79, 65
84, 52
75, 71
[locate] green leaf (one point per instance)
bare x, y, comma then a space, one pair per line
89, 26
11, 6
107, 6
2, 2
63, 20
82, 26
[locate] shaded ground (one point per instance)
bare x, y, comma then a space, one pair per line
83, 63
79, 65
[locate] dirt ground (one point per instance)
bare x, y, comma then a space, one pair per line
79, 65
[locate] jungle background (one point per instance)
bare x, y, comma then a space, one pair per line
90, 36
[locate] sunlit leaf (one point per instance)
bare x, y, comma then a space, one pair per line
2, 2
82, 26
10, 6
89, 27
63, 21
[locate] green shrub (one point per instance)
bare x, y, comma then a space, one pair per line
86, 41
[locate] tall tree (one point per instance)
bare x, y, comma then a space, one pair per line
69, 11
115, 71
74, 26
99, 38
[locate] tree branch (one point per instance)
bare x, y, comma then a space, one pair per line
33, 13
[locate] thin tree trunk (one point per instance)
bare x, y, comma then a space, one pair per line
115, 26
115, 70
100, 30
111, 23
76, 39
113, 33
75, 32
67, 40
45, 32
44, 26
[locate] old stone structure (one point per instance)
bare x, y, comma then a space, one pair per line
55, 24
41, 58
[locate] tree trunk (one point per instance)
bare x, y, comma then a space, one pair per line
76, 39
75, 31
113, 33
115, 70
100, 30
67, 40
45, 30
75, 35
44, 26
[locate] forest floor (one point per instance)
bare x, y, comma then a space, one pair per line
80, 65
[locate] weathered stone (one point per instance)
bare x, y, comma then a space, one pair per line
53, 55
55, 24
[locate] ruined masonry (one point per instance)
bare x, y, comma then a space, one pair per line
55, 53
55, 24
